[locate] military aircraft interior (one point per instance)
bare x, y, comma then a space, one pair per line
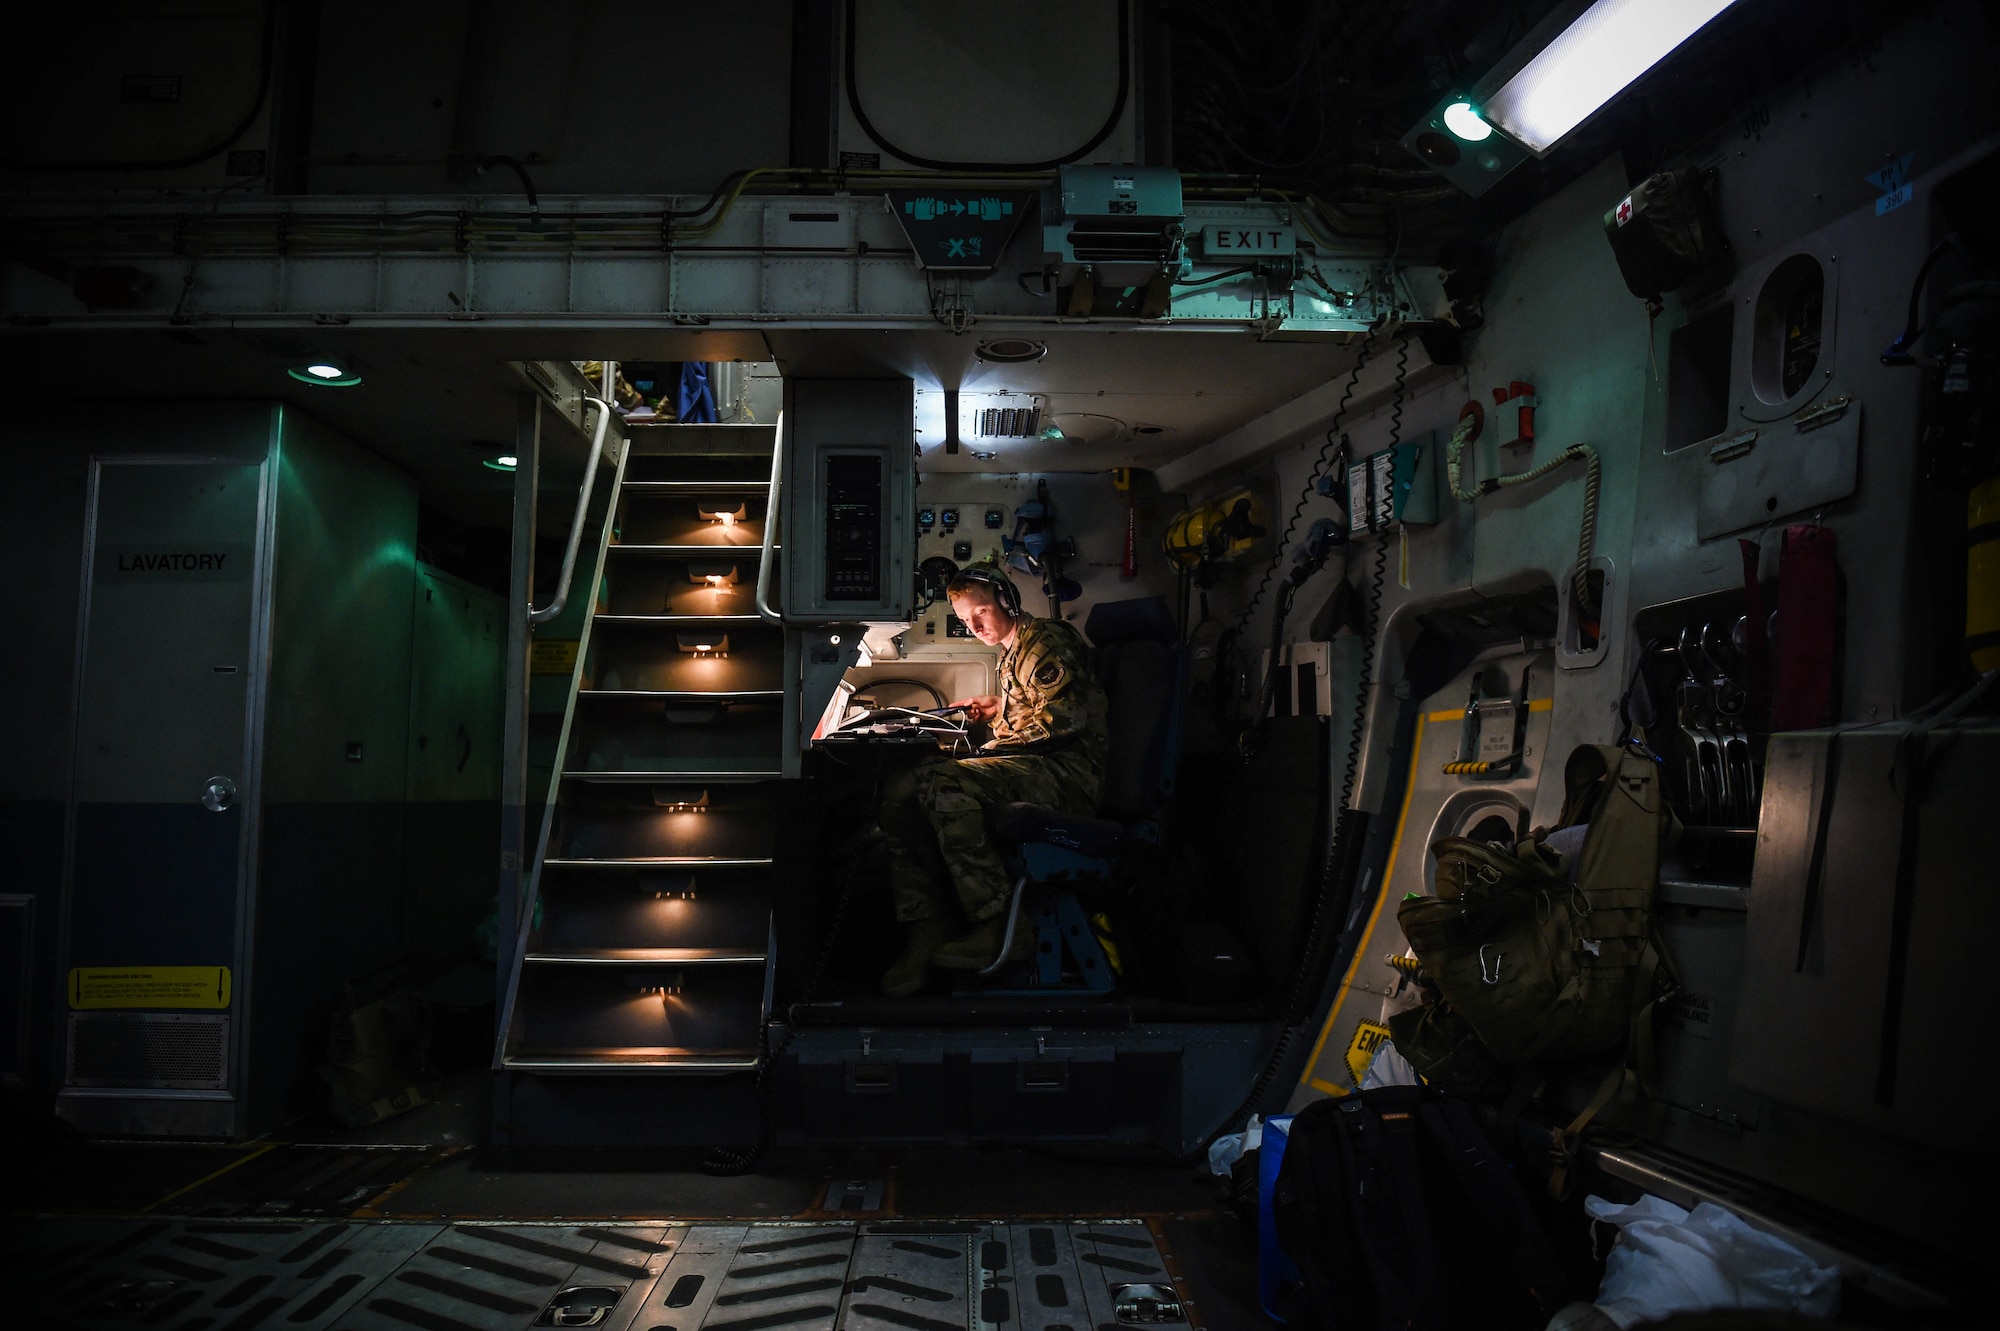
858, 664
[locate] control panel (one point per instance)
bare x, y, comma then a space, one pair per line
849, 501
959, 521
853, 528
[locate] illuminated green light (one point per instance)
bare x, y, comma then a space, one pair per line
505, 462
1465, 122
325, 374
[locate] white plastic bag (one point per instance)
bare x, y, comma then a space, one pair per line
1388, 1067
1668, 1260
1225, 1151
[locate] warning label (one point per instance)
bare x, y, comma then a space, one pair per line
1368, 1037
149, 987
552, 656
1695, 1014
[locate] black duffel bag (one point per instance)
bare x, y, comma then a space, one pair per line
1399, 1214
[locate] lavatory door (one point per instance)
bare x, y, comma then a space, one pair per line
161, 809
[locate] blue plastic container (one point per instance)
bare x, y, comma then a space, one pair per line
1276, 1273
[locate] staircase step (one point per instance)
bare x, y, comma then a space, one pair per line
623, 1060
690, 695
742, 487
688, 861
677, 619
663, 956
689, 551
667, 778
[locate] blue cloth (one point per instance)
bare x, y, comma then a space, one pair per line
1277, 1274
695, 403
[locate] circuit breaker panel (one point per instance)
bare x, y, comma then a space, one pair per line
850, 478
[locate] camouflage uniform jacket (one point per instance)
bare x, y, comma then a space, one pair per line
1049, 700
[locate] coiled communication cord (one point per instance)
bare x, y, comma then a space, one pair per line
1333, 441
1586, 538
1303, 977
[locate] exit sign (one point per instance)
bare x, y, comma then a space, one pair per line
1223, 241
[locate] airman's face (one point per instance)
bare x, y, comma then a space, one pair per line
983, 614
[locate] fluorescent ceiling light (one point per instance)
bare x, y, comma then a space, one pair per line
1610, 45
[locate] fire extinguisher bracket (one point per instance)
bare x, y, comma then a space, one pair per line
1514, 415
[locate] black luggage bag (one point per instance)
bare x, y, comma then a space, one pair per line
1399, 1214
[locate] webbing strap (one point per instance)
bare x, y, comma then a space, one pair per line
1624, 1082
1916, 786
1563, 1142
1756, 647
1816, 865
1803, 695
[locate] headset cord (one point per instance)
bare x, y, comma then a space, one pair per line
1334, 440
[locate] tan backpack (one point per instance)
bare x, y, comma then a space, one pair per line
1527, 969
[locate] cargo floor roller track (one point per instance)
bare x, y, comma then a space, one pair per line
700, 1276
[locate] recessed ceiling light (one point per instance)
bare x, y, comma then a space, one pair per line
325, 373
1149, 429
505, 462
1011, 350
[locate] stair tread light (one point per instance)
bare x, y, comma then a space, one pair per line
325, 373
1465, 122
1603, 51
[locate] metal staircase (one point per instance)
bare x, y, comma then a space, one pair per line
647, 939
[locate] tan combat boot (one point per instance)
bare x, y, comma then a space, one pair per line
977, 949
912, 969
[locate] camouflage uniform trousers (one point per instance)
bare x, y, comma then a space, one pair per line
933, 816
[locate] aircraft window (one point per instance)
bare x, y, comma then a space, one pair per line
1698, 357
1786, 332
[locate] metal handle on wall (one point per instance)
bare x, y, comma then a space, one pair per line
555, 607
770, 527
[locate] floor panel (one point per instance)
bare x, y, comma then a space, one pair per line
300, 1275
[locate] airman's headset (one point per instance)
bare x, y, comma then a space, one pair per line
993, 580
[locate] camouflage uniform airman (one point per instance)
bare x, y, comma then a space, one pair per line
1048, 747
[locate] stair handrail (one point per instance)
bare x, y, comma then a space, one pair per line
555, 607
771, 498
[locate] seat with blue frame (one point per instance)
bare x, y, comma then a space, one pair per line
1053, 854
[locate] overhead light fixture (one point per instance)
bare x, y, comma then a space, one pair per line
326, 374
505, 462
1565, 70
1590, 61
1011, 350
1465, 122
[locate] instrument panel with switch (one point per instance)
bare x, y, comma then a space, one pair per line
950, 536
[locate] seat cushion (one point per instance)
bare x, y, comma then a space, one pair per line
1042, 822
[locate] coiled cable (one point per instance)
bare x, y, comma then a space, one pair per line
1334, 440
1294, 1011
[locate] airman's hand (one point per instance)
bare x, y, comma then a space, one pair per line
982, 708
